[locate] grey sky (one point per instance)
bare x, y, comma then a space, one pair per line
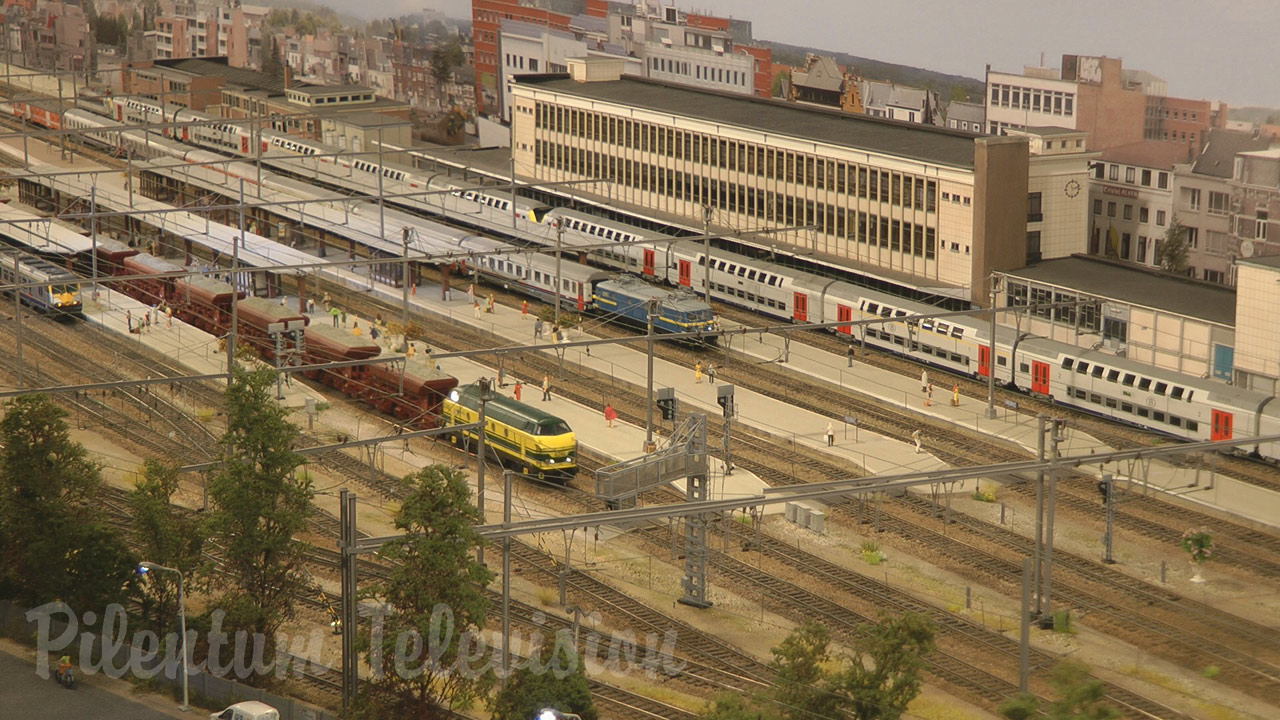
1219, 49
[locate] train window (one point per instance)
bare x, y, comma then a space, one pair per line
898, 340
1113, 375
1157, 416
1143, 412
1111, 403
720, 265
1126, 407
1082, 367
1161, 388
1190, 394
1022, 367
944, 328
1081, 394
1175, 421
886, 312
751, 275
957, 332
1177, 393
751, 297
1001, 360
1095, 398
1067, 363
1097, 371
927, 323
742, 271
1192, 425
1128, 379
1144, 384
873, 308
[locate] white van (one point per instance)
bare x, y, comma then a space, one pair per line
248, 710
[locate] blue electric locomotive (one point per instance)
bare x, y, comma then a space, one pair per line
626, 299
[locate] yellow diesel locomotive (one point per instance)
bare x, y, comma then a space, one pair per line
536, 442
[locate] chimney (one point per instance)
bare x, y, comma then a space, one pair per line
288, 76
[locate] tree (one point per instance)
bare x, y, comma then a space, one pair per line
887, 670
167, 535
444, 59
804, 684
1080, 697
876, 683
536, 685
258, 503
435, 576
1171, 255
53, 543
271, 63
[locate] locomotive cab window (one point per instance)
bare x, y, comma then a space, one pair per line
554, 426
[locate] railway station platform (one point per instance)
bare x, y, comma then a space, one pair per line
876, 453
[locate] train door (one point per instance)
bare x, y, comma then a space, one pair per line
685, 272
581, 304
800, 308
984, 360
1039, 377
844, 312
1221, 425
244, 145
648, 261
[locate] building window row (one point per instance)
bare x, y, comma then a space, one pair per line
876, 230
1033, 99
900, 189
1132, 175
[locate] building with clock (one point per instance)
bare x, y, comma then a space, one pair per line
1057, 191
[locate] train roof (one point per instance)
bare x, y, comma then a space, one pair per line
639, 232
30, 228
208, 284
683, 301
343, 337
154, 264
1221, 392
272, 310
502, 408
37, 264
113, 246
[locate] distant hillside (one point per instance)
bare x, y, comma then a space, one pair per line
1256, 115
949, 87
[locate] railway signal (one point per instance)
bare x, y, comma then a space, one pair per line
724, 396
667, 403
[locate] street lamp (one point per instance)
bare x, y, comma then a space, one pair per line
550, 714
143, 568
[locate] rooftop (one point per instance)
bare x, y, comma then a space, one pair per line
1269, 261
1128, 284
891, 137
1050, 131
1219, 154
366, 119
206, 67
329, 89
1148, 153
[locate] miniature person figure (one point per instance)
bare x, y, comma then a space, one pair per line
146, 320
537, 329
955, 396
283, 300
471, 293
334, 313
849, 353
524, 308
610, 414
924, 380
928, 395
831, 435
373, 333
128, 318
410, 351
311, 306
327, 302
546, 388
502, 381
711, 373
490, 308
515, 391
344, 317
476, 307
697, 372
168, 316
356, 329
915, 435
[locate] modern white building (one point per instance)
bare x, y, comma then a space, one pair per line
526, 48
673, 50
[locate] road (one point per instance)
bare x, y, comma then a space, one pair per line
23, 694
